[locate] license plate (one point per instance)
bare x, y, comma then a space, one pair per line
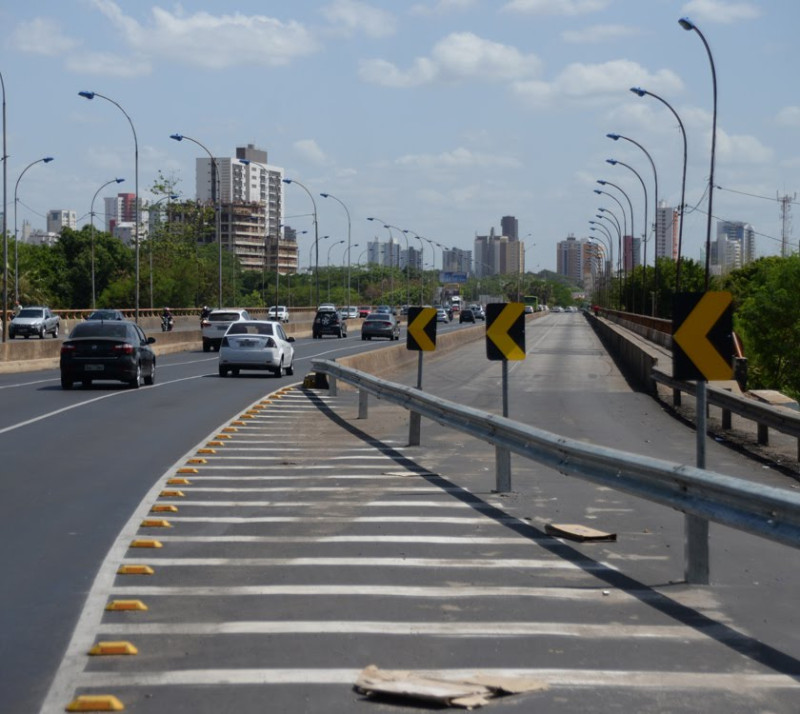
247, 343
93, 368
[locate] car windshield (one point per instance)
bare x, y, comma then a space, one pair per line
250, 328
31, 312
223, 316
100, 329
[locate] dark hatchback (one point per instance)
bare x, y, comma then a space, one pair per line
380, 324
328, 322
116, 350
466, 316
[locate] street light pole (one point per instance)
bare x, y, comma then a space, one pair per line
421, 266
171, 197
328, 265
391, 256
5, 227
316, 233
92, 95
621, 267
218, 193
408, 272
641, 92
91, 218
46, 160
687, 24
329, 195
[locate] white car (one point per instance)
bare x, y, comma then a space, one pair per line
258, 345
217, 323
350, 312
281, 313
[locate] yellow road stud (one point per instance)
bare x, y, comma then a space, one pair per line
95, 703
223, 436
120, 605
146, 543
215, 443
114, 648
163, 508
171, 494
239, 423
155, 523
206, 451
197, 461
188, 470
179, 481
230, 430
246, 416
135, 570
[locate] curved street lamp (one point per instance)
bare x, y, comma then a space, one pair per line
316, 233
5, 227
391, 249
45, 160
642, 92
338, 200
92, 95
218, 192
687, 24
408, 271
328, 265
421, 264
91, 218
617, 137
170, 197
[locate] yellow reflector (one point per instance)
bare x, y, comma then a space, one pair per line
206, 451
163, 509
187, 470
171, 494
146, 543
197, 461
135, 570
179, 481
246, 416
239, 423
95, 703
223, 436
113, 648
126, 605
155, 523
215, 443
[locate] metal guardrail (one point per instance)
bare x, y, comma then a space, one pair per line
764, 511
765, 415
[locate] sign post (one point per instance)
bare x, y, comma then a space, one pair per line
702, 350
421, 337
505, 340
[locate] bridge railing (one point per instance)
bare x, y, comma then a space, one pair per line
701, 495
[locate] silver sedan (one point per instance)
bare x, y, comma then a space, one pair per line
256, 345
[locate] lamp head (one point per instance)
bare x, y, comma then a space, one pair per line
86, 95
371, 218
47, 159
615, 137
601, 182
613, 162
598, 191
119, 180
325, 195
287, 180
246, 162
174, 197
638, 90
177, 137
686, 23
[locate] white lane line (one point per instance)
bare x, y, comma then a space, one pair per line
555, 678
482, 563
283, 466
192, 489
613, 631
380, 591
425, 539
360, 519
299, 478
332, 505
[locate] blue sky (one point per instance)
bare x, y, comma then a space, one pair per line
437, 116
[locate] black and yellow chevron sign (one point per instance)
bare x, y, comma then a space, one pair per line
505, 331
421, 329
702, 336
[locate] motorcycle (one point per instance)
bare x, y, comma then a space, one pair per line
167, 323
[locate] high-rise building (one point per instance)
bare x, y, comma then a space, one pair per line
631, 253
570, 258
667, 224
120, 217
509, 226
500, 255
251, 197
59, 218
735, 246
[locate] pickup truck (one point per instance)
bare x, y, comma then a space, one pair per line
35, 320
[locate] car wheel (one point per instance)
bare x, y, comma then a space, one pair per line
290, 368
136, 382
66, 383
223, 371
206, 347
41, 332
151, 378
55, 332
363, 337
278, 372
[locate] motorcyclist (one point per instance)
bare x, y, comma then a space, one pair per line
167, 321
205, 312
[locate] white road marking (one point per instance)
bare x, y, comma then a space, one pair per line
425, 539
333, 505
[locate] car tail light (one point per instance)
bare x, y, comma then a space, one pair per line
67, 349
270, 343
125, 348
205, 323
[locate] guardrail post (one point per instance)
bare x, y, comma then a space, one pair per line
726, 419
332, 386
763, 434
676, 397
363, 401
414, 428
502, 466
696, 554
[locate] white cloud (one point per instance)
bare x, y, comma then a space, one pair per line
598, 33
105, 64
789, 116
354, 16
556, 7
310, 151
609, 79
457, 159
187, 38
458, 57
42, 36
720, 10
442, 7
742, 149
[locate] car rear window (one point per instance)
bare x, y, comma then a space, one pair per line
99, 329
224, 317
250, 328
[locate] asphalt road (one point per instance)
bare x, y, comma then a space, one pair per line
338, 576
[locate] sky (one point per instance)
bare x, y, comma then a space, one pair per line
435, 116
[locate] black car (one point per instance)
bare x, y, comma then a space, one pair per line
380, 324
328, 321
466, 316
115, 350
106, 315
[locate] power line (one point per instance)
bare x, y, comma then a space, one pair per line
754, 195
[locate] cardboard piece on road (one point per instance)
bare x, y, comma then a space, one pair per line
475, 691
574, 531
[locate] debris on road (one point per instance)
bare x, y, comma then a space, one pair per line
578, 532
467, 693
